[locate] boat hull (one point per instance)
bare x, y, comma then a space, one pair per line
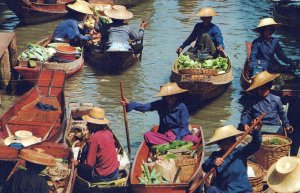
287, 15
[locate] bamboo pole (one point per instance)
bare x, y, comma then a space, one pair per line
125, 119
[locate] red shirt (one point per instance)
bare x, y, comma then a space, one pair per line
102, 153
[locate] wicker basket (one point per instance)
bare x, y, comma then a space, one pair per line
187, 165
269, 154
198, 71
256, 182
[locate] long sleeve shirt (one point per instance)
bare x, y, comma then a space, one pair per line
199, 29
270, 104
25, 181
68, 29
263, 53
175, 118
102, 154
232, 174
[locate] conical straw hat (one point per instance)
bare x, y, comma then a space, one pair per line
118, 12
206, 12
261, 78
96, 116
223, 133
37, 157
284, 175
266, 22
170, 88
81, 6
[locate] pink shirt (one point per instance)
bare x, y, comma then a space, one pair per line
102, 153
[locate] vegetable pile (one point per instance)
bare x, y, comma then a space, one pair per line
164, 148
274, 141
185, 62
148, 177
36, 52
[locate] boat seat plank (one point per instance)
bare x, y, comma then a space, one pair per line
46, 78
30, 123
36, 130
58, 79
55, 91
47, 100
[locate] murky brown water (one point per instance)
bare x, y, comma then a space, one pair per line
170, 23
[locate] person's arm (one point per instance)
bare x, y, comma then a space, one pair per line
280, 54
218, 36
191, 38
184, 122
78, 35
92, 153
142, 107
209, 162
253, 146
282, 114
253, 57
246, 116
136, 36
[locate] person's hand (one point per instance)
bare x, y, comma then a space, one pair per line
143, 25
220, 48
246, 127
258, 126
75, 162
289, 129
124, 101
179, 50
219, 161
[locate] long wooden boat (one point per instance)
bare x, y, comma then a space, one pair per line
287, 14
202, 86
111, 61
23, 115
31, 74
285, 85
75, 123
38, 11
190, 186
62, 153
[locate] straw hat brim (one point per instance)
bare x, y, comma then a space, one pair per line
81, 8
261, 79
288, 182
90, 119
161, 94
259, 27
118, 14
224, 133
37, 157
206, 12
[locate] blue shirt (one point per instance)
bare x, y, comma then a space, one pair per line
263, 53
175, 118
68, 29
199, 29
272, 105
232, 174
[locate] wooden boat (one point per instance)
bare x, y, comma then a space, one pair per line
111, 61
62, 153
31, 74
204, 85
189, 186
75, 123
285, 85
23, 115
38, 11
287, 13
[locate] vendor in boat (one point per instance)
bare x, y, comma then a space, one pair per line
264, 48
173, 116
231, 172
29, 180
68, 30
284, 175
119, 32
276, 119
207, 35
100, 163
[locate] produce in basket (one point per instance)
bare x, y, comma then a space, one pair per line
274, 141
36, 52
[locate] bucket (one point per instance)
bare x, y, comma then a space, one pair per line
187, 165
66, 52
269, 154
256, 182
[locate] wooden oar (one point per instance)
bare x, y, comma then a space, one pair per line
49, 131
125, 119
233, 146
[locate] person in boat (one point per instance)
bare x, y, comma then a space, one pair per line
119, 33
276, 118
68, 30
264, 48
284, 175
29, 180
293, 116
231, 172
100, 162
173, 116
207, 35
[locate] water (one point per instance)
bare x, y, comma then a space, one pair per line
170, 23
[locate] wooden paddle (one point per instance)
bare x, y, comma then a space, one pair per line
234, 146
125, 119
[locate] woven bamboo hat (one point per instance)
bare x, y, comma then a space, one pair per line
37, 157
170, 88
266, 22
284, 175
261, 78
81, 6
223, 133
118, 12
96, 116
206, 12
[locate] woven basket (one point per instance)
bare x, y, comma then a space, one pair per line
269, 154
198, 71
256, 182
187, 165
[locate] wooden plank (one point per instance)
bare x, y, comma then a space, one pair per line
6, 38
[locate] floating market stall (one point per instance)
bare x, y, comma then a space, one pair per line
76, 137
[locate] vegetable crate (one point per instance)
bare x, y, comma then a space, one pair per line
187, 165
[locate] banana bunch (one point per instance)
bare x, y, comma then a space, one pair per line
89, 22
